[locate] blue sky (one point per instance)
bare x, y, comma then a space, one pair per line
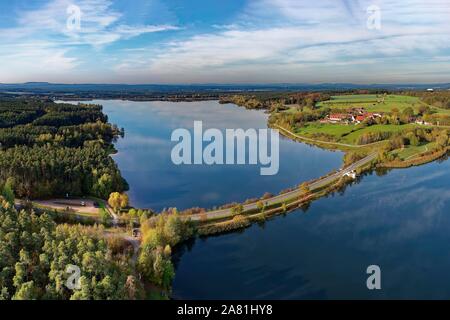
226, 41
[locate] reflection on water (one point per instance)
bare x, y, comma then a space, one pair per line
155, 182
399, 221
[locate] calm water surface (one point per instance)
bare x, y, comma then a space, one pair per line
399, 221
155, 182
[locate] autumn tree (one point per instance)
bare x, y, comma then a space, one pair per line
261, 206
159, 235
118, 200
8, 191
304, 189
238, 209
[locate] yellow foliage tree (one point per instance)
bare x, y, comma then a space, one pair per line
118, 201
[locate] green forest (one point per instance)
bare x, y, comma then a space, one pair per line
50, 149
35, 254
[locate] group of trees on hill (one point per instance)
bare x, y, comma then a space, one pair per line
299, 118
160, 234
46, 171
66, 118
57, 149
440, 99
35, 254
273, 100
68, 136
418, 136
14, 112
306, 99
371, 137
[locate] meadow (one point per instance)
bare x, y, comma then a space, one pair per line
347, 133
377, 103
410, 152
365, 137
351, 133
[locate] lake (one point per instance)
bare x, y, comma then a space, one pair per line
144, 156
399, 221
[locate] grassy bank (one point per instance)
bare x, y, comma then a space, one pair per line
424, 158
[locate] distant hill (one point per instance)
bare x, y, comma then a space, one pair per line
52, 88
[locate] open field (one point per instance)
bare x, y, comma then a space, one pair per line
364, 138
348, 134
372, 103
377, 103
353, 137
336, 130
410, 152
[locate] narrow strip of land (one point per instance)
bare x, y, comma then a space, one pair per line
224, 213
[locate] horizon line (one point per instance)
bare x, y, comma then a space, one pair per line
231, 84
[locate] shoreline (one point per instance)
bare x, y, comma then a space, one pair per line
283, 199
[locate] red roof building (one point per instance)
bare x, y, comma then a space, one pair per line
339, 117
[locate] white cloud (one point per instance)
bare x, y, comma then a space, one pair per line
34, 61
42, 41
291, 37
270, 41
100, 24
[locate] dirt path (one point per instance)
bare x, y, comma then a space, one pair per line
75, 204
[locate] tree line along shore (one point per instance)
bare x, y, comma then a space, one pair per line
50, 150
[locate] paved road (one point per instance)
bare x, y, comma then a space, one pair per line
292, 194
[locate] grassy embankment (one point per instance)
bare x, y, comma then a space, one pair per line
421, 157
